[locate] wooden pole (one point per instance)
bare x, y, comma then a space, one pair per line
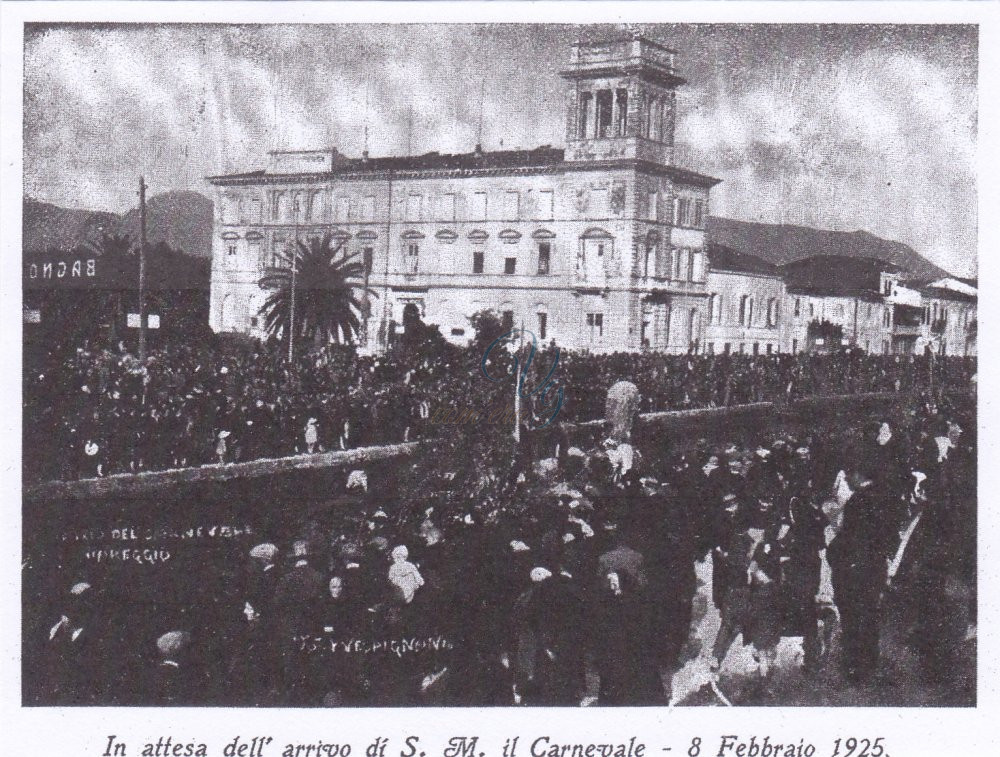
291, 309
142, 268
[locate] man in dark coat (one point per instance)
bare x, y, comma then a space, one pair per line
174, 681
858, 559
297, 600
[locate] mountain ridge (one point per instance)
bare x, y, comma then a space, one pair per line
183, 219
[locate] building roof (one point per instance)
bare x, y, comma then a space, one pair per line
722, 258
837, 275
944, 293
477, 161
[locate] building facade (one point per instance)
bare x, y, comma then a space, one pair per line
837, 301
599, 246
746, 297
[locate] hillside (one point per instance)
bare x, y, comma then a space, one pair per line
184, 221
47, 226
181, 219
780, 244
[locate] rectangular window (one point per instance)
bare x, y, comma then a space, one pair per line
511, 206
477, 210
769, 348
368, 208
507, 320
795, 346
279, 254
446, 208
414, 206
586, 98
727, 349
544, 253
621, 100
368, 258
477, 262
546, 205
343, 209
595, 325
682, 212
543, 322
699, 214
256, 211
509, 265
231, 250
651, 205
604, 113
412, 257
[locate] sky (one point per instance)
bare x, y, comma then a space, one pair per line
844, 127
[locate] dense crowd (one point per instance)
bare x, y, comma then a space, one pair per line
583, 594
98, 411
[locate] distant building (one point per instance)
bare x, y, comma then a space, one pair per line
597, 246
745, 300
949, 323
834, 301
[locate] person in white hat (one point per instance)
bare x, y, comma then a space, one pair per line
174, 683
222, 446
404, 574
311, 436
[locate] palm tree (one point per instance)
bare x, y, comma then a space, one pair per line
326, 278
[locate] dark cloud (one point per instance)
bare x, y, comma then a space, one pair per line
841, 126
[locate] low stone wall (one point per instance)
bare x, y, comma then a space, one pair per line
679, 427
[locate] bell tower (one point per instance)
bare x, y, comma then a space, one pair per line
621, 100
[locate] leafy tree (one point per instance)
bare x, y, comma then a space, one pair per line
326, 306
826, 330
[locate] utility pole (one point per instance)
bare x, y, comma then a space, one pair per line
142, 268
295, 257
517, 386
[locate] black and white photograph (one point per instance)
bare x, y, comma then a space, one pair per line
394, 365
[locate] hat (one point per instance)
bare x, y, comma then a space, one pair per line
400, 552
540, 574
357, 479
172, 642
300, 548
90, 448
519, 546
79, 588
311, 422
224, 434
264, 552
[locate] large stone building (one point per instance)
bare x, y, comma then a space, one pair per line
597, 246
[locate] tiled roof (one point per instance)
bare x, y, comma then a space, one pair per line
836, 275
540, 157
722, 258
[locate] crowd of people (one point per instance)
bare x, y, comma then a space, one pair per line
579, 586
97, 411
